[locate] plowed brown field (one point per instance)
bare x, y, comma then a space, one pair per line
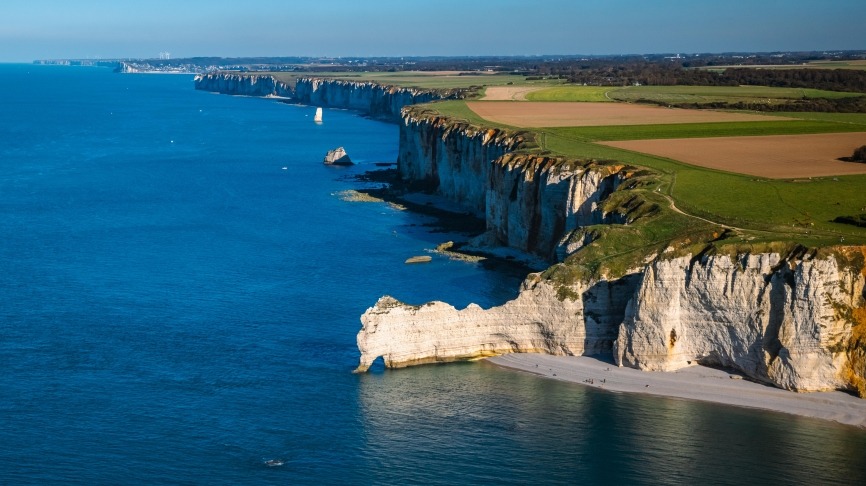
565, 114
776, 157
508, 93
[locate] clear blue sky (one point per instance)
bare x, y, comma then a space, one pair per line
36, 29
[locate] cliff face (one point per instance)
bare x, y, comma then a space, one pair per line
536, 321
787, 323
533, 202
243, 84
373, 99
790, 323
529, 202
454, 159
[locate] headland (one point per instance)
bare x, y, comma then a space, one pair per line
657, 263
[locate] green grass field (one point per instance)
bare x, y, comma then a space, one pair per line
571, 93
778, 207
728, 94
683, 94
853, 118
458, 110
695, 130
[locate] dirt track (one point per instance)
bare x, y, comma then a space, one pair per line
565, 114
776, 157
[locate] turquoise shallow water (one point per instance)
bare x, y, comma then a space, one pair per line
177, 307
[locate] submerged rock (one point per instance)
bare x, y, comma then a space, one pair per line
419, 259
338, 156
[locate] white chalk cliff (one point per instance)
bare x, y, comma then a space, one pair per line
781, 322
373, 99
536, 321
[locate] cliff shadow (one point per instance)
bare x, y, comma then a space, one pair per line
604, 305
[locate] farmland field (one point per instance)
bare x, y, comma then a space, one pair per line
774, 205
571, 93
683, 94
728, 94
564, 114
778, 157
769, 210
508, 93
851, 118
779, 126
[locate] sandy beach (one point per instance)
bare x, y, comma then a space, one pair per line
693, 383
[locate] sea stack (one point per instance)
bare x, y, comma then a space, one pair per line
338, 156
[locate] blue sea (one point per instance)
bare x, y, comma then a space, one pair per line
180, 290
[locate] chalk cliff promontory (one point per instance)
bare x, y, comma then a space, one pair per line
536, 321
373, 99
794, 319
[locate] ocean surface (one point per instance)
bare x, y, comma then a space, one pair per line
180, 290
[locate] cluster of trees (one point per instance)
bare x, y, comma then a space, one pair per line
829, 79
661, 74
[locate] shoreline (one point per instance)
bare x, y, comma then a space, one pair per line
693, 383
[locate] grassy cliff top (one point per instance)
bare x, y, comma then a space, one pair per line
677, 209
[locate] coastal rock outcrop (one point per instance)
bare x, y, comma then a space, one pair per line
337, 156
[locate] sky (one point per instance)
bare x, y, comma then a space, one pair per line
57, 29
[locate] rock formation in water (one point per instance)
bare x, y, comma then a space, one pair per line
337, 156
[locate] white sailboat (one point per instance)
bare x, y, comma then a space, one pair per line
318, 117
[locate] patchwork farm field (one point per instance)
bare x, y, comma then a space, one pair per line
773, 176
683, 94
565, 114
509, 93
781, 126
776, 157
